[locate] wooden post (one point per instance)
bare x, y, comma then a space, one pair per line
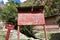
45, 35
7, 35
18, 33
9, 27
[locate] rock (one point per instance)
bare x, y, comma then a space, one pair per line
37, 35
14, 33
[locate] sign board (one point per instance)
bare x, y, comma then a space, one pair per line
30, 19
8, 26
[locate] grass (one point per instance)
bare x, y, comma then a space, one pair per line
2, 35
48, 34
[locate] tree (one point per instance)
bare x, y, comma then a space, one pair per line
52, 7
9, 13
33, 3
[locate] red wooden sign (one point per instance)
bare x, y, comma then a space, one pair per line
30, 19
8, 26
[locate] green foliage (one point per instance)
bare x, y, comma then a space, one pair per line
9, 12
52, 7
33, 3
51, 35
55, 36
27, 30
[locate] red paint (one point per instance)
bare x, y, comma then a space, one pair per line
7, 35
9, 27
31, 19
18, 32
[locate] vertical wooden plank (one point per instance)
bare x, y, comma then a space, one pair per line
18, 33
7, 35
45, 34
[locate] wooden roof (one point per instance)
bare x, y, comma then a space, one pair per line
30, 9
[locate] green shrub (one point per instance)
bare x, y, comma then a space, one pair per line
55, 36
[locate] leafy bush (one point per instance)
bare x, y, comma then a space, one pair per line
55, 36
